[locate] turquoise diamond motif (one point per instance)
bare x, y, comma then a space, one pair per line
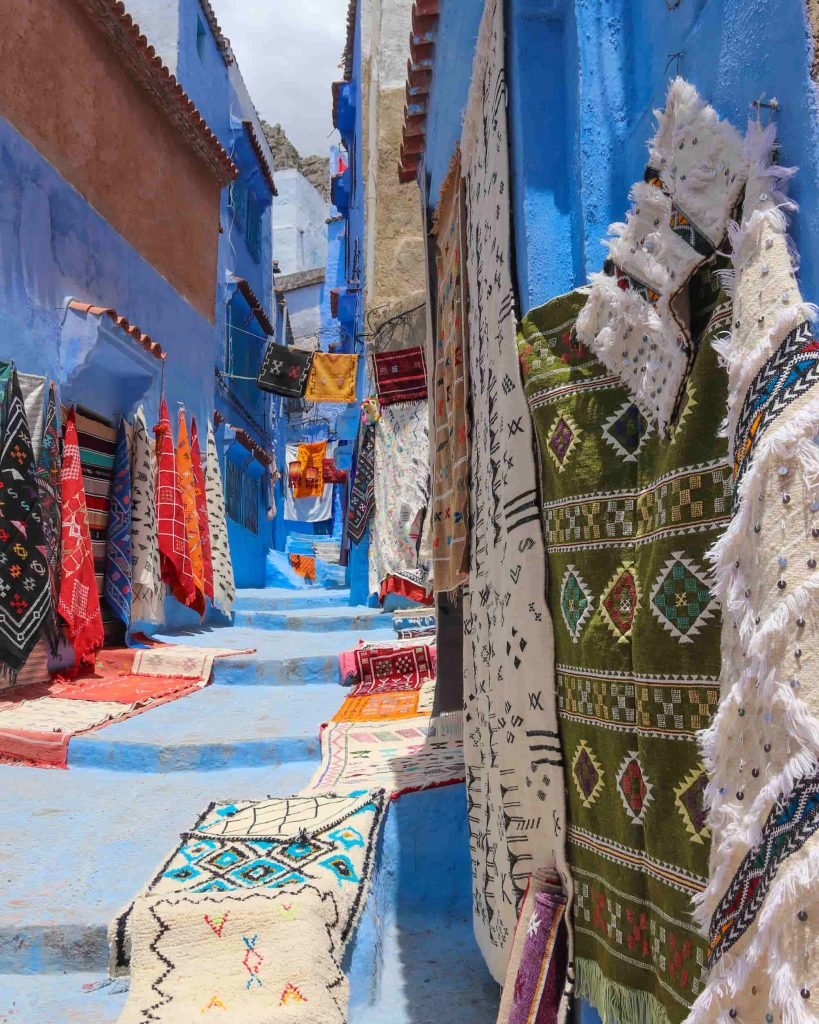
681, 598
575, 602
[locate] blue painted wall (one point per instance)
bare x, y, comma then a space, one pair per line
584, 79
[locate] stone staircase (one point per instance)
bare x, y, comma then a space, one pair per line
80, 843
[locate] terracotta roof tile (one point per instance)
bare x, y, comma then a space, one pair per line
140, 337
258, 309
140, 60
222, 42
246, 441
261, 156
349, 45
420, 67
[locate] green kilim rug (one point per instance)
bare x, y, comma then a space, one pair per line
629, 516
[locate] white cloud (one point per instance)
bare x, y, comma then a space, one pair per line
289, 52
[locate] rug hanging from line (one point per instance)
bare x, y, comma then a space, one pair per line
362, 493
32, 388
284, 370
118, 559
190, 513
401, 487
332, 377
400, 376
79, 603
761, 907
224, 587
450, 392
516, 795
316, 509
308, 481
174, 555
146, 575
25, 589
202, 510
48, 484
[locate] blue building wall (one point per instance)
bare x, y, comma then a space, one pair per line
584, 79
184, 39
358, 571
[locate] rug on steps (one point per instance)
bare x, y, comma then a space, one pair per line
401, 756
37, 721
293, 872
349, 662
392, 668
379, 707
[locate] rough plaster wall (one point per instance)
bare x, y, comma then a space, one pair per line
394, 238
120, 152
399, 252
813, 16
299, 228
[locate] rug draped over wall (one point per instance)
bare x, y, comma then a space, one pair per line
635, 494
513, 761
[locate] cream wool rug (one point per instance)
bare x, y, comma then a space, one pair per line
401, 756
514, 767
761, 907
265, 847
636, 320
224, 956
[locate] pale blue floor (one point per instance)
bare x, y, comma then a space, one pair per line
80, 843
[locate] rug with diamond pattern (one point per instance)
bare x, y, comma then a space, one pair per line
264, 846
629, 517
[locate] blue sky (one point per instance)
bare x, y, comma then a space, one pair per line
289, 52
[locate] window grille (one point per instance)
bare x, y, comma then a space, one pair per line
243, 494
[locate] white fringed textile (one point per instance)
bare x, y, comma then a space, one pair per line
515, 780
636, 319
761, 907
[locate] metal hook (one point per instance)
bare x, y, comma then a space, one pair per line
675, 57
773, 105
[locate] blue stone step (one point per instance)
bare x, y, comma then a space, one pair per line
217, 728
85, 842
278, 659
316, 620
278, 599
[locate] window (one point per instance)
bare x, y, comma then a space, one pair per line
244, 357
201, 35
243, 494
238, 197
253, 231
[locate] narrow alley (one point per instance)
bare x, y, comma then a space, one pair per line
409, 511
